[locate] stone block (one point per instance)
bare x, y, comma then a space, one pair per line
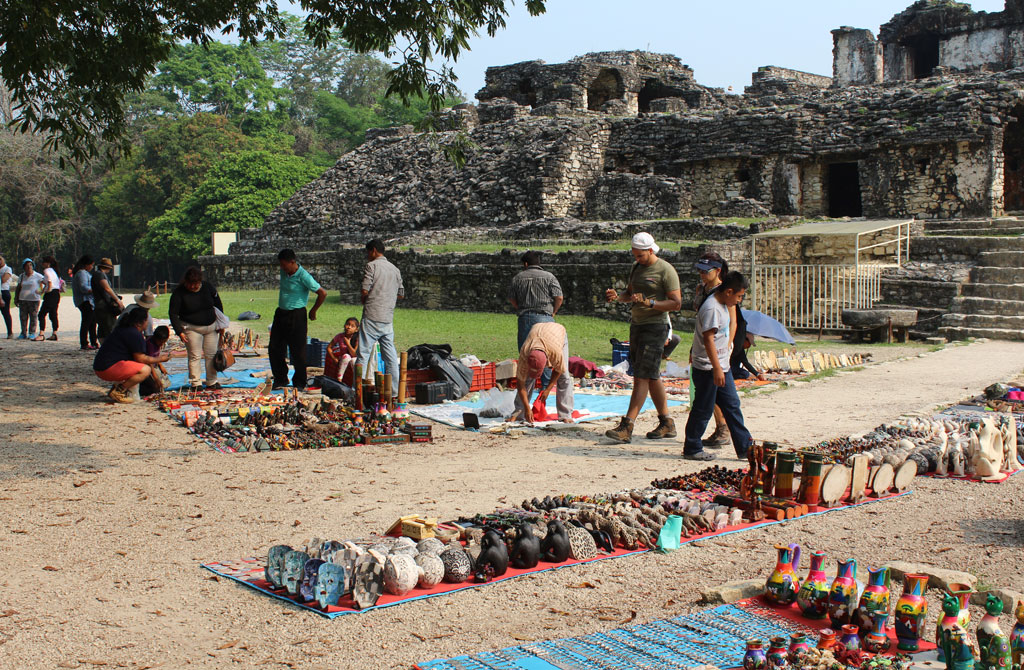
731, 592
1008, 597
938, 578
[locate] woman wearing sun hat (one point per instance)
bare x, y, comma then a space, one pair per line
108, 303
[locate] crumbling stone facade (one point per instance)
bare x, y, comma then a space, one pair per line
621, 136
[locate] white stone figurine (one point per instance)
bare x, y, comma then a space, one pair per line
987, 453
1009, 431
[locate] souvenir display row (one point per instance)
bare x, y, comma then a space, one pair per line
859, 617
984, 447
543, 532
803, 362
240, 420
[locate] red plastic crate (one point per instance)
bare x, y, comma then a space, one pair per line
483, 377
414, 377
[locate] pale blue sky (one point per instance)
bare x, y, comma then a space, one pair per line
724, 42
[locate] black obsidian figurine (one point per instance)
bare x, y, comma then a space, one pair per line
556, 544
493, 559
525, 552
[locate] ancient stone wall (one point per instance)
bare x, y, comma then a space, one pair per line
470, 281
856, 57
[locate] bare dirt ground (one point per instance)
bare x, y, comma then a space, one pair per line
107, 512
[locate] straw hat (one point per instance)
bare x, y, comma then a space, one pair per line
105, 263
146, 299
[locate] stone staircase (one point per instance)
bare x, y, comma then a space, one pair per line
989, 303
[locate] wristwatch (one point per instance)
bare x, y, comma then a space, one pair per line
650, 303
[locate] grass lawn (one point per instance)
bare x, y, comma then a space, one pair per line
491, 337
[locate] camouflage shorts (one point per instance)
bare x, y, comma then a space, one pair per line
646, 347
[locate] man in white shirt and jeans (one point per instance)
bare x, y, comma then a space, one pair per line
711, 381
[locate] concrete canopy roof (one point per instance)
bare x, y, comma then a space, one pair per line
836, 228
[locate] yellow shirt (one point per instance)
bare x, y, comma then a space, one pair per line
547, 337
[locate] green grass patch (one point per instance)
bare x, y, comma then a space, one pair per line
823, 374
491, 337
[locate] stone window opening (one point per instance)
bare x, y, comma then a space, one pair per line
652, 90
527, 93
607, 85
743, 175
924, 54
843, 188
1013, 163
922, 166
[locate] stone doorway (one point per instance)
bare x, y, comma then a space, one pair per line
1013, 163
607, 85
843, 187
924, 54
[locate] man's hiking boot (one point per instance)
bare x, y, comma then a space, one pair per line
666, 428
623, 432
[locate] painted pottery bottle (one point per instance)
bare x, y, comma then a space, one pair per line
755, 658
1017, 634
781, 587
911, 610
876, 640
849, 640
874, 599
826, 639
777, 659
842, 596
798, 648
989, 624
812, 598
947, 626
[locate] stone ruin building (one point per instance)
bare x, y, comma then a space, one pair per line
923, 121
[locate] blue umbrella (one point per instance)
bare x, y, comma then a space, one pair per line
766, 326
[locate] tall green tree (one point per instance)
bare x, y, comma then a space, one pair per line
223, 79
238, 192
71, 64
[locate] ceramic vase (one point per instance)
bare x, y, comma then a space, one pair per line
874, 599
755, 658
826, 639
1017, 634
911, 610
812, 598
781, 587
842, 595
963, 595
876, 640
798, 648
849, 640
777, 658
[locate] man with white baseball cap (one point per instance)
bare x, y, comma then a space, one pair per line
653, 290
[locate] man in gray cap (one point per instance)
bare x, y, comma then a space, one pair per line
652, 290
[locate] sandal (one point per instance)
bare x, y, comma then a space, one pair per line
699, 456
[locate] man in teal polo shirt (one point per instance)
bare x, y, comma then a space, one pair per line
289, 329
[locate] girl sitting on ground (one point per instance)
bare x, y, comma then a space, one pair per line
343, 350
154, 345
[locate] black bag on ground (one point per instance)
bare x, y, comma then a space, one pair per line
334, 389
449, 369
418, 354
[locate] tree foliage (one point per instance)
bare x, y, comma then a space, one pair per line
238, 192
72, 64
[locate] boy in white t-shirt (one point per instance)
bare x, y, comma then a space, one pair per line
711, 381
